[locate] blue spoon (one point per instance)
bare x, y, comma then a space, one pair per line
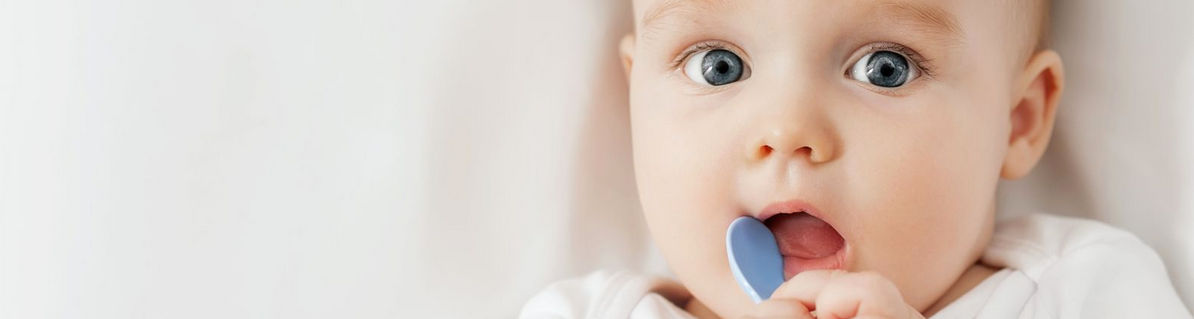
754, 258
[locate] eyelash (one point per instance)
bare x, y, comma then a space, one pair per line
924, 64
698, 47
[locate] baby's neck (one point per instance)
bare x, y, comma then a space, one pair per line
698, 310
969, 279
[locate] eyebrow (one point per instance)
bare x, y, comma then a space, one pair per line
926, 16
929, 17
670, 7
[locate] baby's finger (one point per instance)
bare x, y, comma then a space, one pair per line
806, 285
781, 308
865, 294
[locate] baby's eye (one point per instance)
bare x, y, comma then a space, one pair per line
884, 68
714, 67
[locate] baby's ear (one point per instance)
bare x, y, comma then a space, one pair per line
1033, 113
626, 50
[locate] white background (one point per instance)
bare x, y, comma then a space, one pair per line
379, 159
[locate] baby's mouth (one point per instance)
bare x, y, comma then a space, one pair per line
806, 242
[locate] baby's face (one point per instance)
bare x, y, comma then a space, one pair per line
887, 120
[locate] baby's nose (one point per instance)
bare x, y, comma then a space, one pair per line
792, 143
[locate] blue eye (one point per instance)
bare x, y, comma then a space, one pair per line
884, 68
714, 67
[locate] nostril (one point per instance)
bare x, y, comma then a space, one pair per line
806, 151
765, 150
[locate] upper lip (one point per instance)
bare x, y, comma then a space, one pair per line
791, 206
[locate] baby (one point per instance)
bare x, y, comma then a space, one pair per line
869, 136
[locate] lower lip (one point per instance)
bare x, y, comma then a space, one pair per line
795, 265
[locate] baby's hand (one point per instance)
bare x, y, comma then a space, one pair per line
832, 294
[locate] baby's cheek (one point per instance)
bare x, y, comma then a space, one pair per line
684, 165
925, 209
684, 170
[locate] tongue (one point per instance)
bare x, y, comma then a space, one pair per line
803, 236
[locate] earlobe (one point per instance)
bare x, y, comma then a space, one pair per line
1032, 116
626, 51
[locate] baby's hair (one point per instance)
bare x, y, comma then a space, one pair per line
1043, 24
1034, 14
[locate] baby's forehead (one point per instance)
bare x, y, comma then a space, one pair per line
929, 15
647, 10
936, 18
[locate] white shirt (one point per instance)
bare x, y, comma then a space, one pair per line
1053, 267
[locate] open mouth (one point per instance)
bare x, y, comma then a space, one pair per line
806, 242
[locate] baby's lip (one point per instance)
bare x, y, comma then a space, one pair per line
796, 206
790, 206
799, 252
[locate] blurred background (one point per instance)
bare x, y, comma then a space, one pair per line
379, 159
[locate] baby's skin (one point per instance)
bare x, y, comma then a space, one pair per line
868, 135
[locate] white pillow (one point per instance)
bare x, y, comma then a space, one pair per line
309, 159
